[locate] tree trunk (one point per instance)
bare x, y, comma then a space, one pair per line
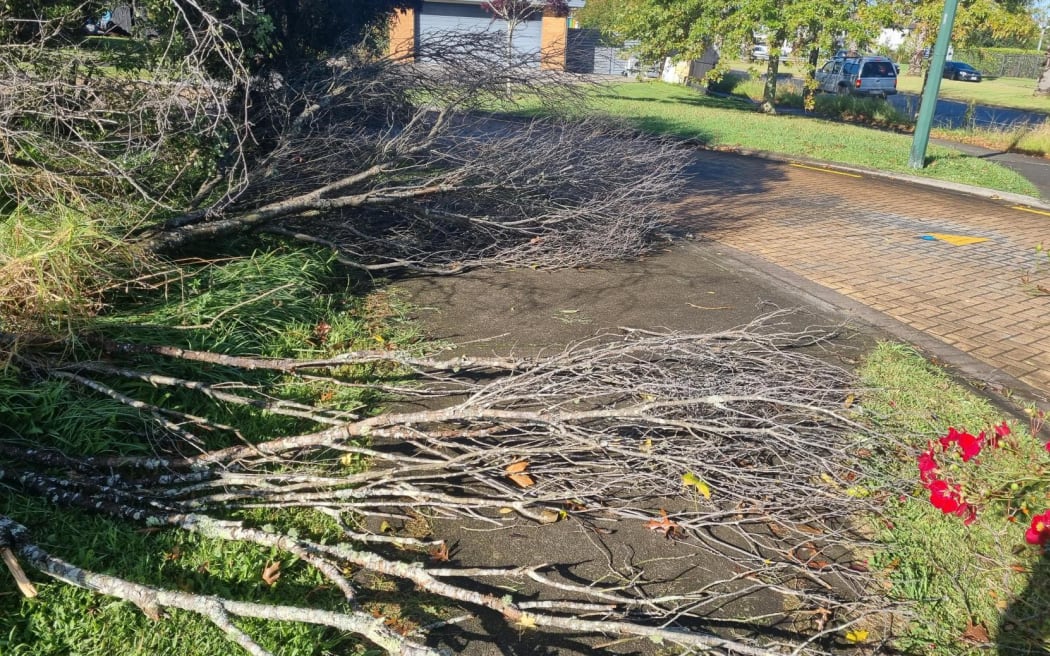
769, 92
809, 88
1042, 85
915, 63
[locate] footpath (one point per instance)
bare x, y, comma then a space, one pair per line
938, 265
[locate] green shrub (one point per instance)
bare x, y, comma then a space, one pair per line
727, 83
870, 111
1003, 62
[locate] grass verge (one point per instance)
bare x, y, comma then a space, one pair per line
733, 123
1007, 92
280, 302
972, 588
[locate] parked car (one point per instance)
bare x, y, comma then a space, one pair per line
759, 53
863, 75
954, 70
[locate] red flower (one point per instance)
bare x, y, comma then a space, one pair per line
1039, 531
927, 467
968, 512
970, 445
944, 497
1001, 431
951, 438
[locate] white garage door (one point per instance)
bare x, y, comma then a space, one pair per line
452, 17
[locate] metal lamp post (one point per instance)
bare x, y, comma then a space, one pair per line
933, 85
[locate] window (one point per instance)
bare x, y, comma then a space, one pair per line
878, 69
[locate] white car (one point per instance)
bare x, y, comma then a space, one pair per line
866, 75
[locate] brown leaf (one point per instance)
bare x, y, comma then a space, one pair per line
522, 480
271, 572
806, 528
975, 632
778, 530
663, 525
440, 552
321, 331
548, 516
517, 467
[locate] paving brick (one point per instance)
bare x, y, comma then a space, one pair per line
867, 248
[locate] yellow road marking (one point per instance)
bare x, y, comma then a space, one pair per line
1029, 209
817, 168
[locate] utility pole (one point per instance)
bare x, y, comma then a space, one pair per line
928, 104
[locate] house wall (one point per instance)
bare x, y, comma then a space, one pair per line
403, 33
551, 37
554, 40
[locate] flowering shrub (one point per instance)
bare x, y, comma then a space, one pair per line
963, 492
1039, 532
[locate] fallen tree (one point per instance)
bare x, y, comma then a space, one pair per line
744, 439
731, 445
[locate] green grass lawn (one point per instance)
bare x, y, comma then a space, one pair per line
970, 588
685, 112
281, 297
1009, 92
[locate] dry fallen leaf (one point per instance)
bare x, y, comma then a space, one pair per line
522, 480
975, 632
663, 525
440, 552
548, 516
271, 572
517, 467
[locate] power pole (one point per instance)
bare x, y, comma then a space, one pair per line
928, 104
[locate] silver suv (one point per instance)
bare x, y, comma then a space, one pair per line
863, 75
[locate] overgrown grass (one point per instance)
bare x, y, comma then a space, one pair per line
965, 582
728, 122
872, 112
277, 302
56, 264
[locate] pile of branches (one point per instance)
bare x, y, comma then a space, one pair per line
128, 129
731, 445
742, 437
394, 166
391, 162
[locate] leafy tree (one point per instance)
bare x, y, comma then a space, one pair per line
604, 16
686, 28
976, 23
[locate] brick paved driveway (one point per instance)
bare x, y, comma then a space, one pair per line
861, 236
